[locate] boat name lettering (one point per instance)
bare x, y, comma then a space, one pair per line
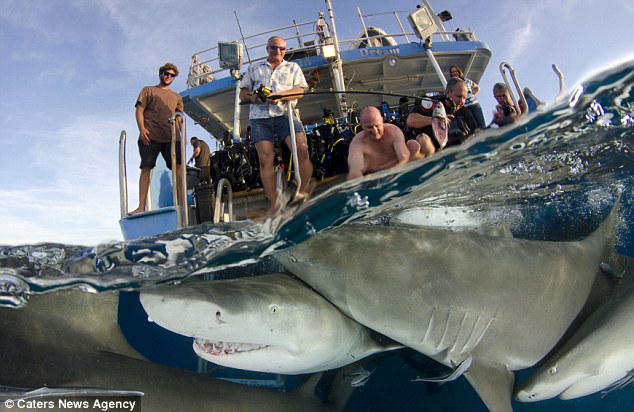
379, 52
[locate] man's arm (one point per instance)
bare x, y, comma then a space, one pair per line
140, 121
417, 120
291, 94
356, 161
247, 96
195, 154
402, 153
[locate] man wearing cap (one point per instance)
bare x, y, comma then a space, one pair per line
154, 108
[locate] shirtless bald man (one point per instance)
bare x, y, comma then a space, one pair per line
376, 147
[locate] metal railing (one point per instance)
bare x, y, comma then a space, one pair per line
307, 37
179, 196
219, 208
123, 176
504, 68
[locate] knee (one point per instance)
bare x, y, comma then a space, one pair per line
302, 151
426, 146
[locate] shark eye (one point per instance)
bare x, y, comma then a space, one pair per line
218, 314
552, 370
273, 308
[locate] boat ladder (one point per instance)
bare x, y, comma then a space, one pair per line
504, 68
219, 208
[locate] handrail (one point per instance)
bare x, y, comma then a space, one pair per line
504, 66
562, 86
298, 177
218, 207
123, 177
182, 208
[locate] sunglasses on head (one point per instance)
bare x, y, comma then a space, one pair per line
273, 47
169, 74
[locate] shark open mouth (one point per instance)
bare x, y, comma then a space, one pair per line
225, 348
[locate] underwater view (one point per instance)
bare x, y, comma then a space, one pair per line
558, 176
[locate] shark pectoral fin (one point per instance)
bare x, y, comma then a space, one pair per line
494, 383
457, 372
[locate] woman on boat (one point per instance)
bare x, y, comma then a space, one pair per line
471, 103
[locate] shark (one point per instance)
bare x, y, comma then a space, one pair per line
64, 341
497, 302
266, 323
600, 354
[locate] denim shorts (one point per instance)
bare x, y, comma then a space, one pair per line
273, 129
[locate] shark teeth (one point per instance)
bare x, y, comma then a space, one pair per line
225, 348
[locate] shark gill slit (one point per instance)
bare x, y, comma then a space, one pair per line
430, 325
446, 329
461, 336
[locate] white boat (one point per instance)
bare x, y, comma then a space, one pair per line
378, 67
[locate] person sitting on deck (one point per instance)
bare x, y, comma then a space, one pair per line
450, 127
505, 112
471, 103
378, 146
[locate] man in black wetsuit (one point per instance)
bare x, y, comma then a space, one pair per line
438, 127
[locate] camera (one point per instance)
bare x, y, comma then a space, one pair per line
262, 92
507, 110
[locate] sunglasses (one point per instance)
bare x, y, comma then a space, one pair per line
169, 74
281, 48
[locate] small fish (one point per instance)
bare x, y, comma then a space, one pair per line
359, 378
457, 372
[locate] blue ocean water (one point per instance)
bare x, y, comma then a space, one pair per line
555, 176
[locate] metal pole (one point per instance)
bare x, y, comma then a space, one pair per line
181, 208
337, 67
123, 177
236, 112
434, 63
365, 29
298, 177
401, 25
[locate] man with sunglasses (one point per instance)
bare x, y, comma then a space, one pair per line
268, 118
154, 108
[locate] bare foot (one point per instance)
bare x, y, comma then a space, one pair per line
136, 211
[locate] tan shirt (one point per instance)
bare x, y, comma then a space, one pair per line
158, 106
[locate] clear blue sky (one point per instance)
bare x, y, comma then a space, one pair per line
72, 70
